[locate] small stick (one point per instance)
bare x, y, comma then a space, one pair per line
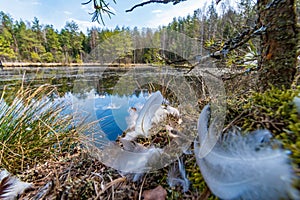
141, 190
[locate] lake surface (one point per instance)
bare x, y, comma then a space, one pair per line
107, 94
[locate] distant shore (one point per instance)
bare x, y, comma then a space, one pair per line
30, 64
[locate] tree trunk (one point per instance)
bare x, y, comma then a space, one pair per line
278, 43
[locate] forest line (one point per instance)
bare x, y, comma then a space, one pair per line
32, 42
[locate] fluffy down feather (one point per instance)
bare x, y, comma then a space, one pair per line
244, 167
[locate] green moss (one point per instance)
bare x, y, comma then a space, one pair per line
198, 184
273, 110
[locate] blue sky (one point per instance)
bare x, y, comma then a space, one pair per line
57, 12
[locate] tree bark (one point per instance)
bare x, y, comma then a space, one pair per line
278, 43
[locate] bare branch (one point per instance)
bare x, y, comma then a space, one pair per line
242, 38
85, 3
155, 1
232, 44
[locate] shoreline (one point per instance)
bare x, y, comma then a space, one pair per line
4, 65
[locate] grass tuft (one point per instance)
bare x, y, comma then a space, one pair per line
33, 128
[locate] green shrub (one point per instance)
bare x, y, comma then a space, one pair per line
47, 57
35, 57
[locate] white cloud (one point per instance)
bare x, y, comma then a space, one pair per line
156, 11
67, 12
111, 106
36, 2
87, 8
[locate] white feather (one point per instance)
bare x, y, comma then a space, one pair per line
177, 176
159, 115
244, 167
162, 112
144, 120
131, 135
172, 111
16, 188
131, 119
297, 103
151, 113
134, 158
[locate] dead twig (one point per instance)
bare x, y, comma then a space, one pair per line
141, 190
234, 120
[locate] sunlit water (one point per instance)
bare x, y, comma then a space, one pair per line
99, 93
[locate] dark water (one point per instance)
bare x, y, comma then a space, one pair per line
102, 93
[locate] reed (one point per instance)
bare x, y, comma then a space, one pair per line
33, 128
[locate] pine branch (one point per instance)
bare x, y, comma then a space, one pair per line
101, 7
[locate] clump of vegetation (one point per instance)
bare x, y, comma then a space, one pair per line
274, 110
197, 181
33, 128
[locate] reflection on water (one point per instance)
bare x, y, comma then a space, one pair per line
102, 93
112, 111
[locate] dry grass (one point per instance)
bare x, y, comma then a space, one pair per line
77, 175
